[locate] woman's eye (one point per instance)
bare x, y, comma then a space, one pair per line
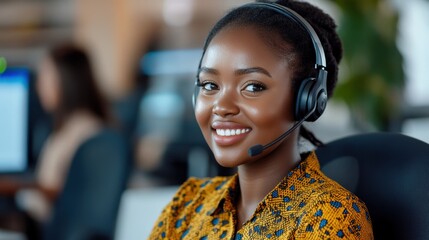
209, 86
255, 87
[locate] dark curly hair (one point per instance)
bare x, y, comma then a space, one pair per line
290, 41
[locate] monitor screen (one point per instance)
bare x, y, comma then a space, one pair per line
14, 94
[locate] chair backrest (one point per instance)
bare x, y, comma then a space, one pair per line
390, 173
88, 205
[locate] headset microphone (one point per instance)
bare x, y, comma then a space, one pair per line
258, 149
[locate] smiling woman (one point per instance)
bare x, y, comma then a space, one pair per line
244, 86
256, 80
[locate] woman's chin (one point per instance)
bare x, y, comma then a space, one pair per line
229, 160
226, 164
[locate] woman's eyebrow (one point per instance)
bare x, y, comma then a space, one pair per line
208, 70
237, 72
252, 70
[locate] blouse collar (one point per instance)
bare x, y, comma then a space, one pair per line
280, 198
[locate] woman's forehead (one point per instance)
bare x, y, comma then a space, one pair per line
239, 48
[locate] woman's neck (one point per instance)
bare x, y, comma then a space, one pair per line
258, 178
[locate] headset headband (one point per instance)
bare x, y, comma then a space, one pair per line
320, 53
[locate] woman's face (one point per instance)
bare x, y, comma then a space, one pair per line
245, 98
48, 86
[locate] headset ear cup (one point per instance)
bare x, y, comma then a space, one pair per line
322, 100
304, 101
320, 96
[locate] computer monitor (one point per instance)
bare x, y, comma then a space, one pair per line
14, 137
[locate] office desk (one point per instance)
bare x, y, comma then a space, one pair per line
12, 183
11, 218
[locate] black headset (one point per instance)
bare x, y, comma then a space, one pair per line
312, 96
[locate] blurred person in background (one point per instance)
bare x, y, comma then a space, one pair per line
68, 92
258, 79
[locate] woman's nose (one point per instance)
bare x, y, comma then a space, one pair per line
225, 104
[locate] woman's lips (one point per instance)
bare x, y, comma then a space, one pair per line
229, 133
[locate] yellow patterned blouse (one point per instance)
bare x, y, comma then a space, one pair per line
304, 205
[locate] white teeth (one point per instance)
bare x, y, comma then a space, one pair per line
231, 132
221, 132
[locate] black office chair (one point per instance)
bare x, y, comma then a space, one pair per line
88, 206
390, 173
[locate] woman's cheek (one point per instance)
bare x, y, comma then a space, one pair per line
202, 114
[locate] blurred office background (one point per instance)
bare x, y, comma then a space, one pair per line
145, 54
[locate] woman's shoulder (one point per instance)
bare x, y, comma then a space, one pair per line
333, 208
194, 193
332, 194
194, 186
193, 202
337, 196
321, 188
197, 191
